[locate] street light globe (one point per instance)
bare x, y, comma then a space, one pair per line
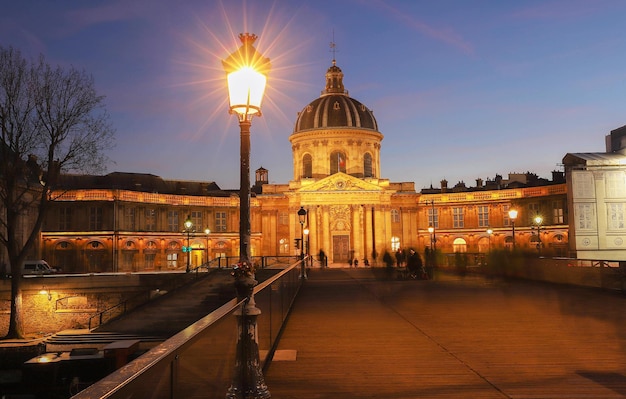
188, 223
207, 231
489, 231
513, 214
538, 220
431, 229
246, 71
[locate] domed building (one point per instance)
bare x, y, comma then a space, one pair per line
336, 162
337, 202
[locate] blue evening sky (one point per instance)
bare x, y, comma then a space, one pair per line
460, 89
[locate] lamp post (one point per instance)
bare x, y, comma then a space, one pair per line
538, 221
188, 226
489, 233
207, 231
431, 230
513, 216
246, 71
302, 219
306, 242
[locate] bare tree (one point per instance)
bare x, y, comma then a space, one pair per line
51, 121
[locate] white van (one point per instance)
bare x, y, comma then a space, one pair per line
37, 267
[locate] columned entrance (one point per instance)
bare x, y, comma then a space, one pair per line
341, 248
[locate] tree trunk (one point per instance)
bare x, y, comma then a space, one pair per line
16, 325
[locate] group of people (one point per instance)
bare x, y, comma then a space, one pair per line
414, 266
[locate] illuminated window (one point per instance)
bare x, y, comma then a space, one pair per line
337, 162
483, 216
307, 166
283, 248
459, 245
172, 260
557, 212
395, 244
433, 218
458, 218
367, 165
220, 221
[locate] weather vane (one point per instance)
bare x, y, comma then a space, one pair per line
333, 47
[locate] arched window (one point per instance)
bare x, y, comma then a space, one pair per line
459, 245
367, 165
337, 162
307, 166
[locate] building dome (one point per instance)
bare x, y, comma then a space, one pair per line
335, 108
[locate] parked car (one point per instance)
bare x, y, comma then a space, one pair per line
37, 267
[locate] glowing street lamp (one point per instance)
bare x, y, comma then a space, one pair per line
489, 233
513, 216
207, 231
246, 71
302, 219
188, 229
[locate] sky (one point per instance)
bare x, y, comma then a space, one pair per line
460, 89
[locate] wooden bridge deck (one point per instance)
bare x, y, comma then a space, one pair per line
354, 335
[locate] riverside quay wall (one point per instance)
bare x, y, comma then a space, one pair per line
53, 303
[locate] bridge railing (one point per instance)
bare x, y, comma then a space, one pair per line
199, 361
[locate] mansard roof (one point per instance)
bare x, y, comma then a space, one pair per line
142, 182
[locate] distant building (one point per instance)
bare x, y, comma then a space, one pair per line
597, 187
132, 222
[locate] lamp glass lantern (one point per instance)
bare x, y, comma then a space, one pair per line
246, 72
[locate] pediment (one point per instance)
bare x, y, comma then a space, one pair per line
341, 182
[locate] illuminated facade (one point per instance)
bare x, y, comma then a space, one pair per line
597, 186
133, 222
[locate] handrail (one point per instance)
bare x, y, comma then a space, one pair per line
207, 346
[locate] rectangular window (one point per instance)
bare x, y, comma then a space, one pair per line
584, 216
283, 218
458, 218
433, 218
505, 213
65, 219
616, 216
172, 221
196, 219
395, 216
483, 216
150, 217
95, 218
220, 221
129, 219
557, 212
